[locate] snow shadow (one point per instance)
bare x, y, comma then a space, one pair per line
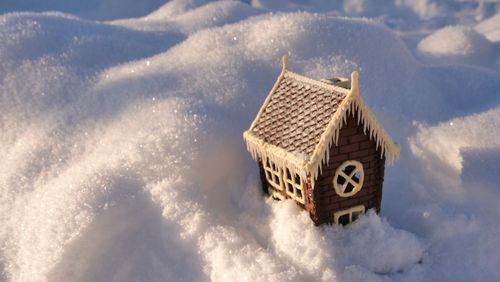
480, 172
129, 240
90, 9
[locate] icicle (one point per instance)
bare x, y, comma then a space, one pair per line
328, 154
359, 114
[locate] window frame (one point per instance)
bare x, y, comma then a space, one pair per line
349, 211
358, 167
277, 195
272, 172
295, 187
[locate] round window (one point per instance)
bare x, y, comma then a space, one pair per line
348, 178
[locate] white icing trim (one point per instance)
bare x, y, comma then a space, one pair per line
284, 65
274, 174
318, 83
352, 102
286, 72
295, 187
348, 178
354, 82
277, 195
268, 98
261, 150
313, 165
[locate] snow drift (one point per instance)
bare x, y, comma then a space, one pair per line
457, 44
122, 157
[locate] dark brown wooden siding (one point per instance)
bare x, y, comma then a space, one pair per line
310, 205
353, 145
263, 179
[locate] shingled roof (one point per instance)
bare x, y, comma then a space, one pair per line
301, 118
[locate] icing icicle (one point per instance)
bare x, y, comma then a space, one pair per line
312, 166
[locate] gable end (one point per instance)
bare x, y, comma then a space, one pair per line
301, 118
353, 145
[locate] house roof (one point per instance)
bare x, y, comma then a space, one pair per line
297, 114
301, 118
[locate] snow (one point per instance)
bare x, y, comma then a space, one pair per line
123, 160
490, 28
457, 44
462, 152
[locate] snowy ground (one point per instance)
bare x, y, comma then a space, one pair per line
121, 155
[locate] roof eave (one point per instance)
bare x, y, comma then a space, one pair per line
312, 165
260, 149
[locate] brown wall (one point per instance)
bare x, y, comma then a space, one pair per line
353, 145
263, 179
310, 205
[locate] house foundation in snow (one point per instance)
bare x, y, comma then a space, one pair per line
318, 143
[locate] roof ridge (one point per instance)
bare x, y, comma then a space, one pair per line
315, 82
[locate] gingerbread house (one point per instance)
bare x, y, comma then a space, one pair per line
318, 143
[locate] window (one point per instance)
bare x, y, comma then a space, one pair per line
273, 174
294, 186
348, 178
277, 195
347, 216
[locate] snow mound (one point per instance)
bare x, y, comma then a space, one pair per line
175, 16
490, 28
456, 44
90, 9
372, 237
323, 251
457, 149
425, 9
215, 14
174, 8
122, 157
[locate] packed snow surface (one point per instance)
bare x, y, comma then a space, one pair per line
122, 156
457, 44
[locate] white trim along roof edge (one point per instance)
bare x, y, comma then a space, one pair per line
305, 166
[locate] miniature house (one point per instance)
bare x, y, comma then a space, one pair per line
318, 143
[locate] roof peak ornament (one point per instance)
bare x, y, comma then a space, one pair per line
284, 63
354, 82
